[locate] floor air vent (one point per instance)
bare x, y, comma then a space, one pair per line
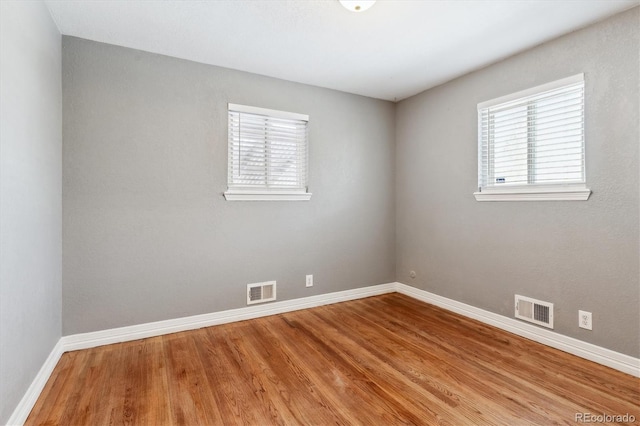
261, 292
535, 311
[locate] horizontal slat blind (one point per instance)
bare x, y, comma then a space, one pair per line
267, 151
536, 139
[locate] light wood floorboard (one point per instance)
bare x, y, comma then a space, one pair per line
383, 360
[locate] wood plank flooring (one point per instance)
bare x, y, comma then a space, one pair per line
384, 360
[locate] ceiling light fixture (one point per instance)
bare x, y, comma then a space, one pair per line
357, 5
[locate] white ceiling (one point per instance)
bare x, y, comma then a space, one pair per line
394, 50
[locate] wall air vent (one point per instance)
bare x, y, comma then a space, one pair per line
261, 292
535, 311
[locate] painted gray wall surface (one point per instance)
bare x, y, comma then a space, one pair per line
578, 255
30, 196
147, 234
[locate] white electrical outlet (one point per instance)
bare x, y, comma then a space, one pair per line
585, 320
309, 282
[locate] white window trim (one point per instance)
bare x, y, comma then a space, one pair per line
261, 194
240, 195
576, 192
533, 91
559, 192
266, 111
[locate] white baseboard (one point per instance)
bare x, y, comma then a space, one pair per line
141, 331
616, 360
20, 414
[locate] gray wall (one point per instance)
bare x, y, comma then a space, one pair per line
30, 196
578, 255
147, 234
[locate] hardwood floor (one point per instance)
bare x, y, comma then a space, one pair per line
384, 360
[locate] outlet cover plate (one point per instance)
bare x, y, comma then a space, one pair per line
585, 320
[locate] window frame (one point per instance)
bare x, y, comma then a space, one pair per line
266, 193
569, 191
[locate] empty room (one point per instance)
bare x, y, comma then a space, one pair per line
314, 212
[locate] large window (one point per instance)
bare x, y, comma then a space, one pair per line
268, 152
531, 144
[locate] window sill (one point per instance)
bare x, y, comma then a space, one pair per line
554, 193
236, 195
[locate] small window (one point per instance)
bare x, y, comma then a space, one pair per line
268, 152
531, 144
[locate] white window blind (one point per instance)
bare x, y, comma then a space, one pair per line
268, 152
533, 138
